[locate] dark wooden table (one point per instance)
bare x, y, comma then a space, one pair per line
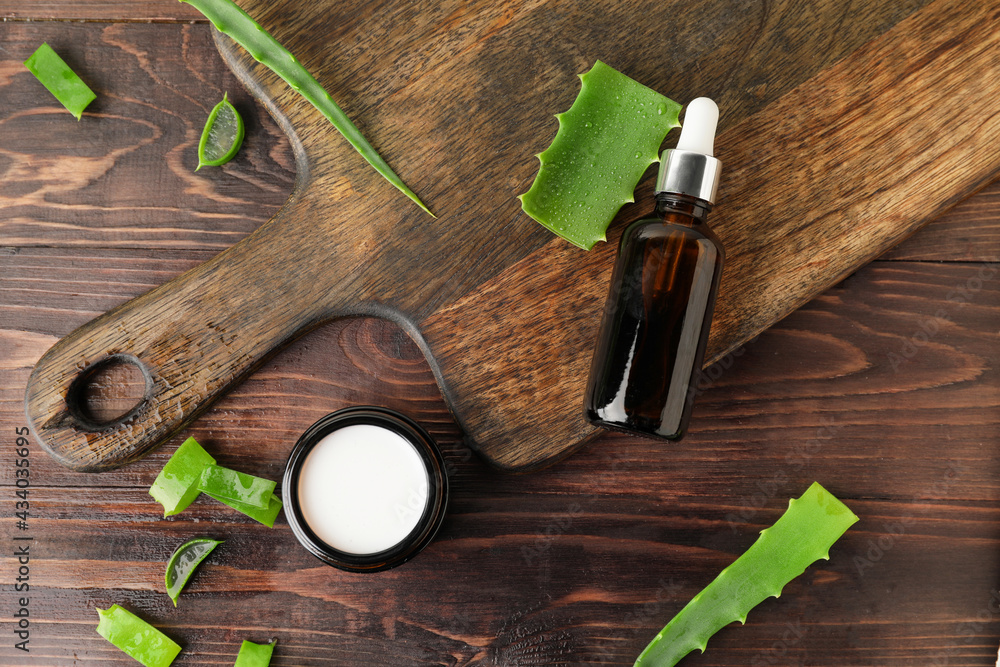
885, 389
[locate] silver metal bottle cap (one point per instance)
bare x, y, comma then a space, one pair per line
689, 173
690, 168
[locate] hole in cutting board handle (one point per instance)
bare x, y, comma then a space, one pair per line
109, 392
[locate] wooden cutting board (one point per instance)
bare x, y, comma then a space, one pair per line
843, 130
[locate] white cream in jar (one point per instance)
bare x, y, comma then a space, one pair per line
367, 489
363, 488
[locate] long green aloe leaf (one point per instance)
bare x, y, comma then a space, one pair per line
605, 142
228, 18
803, 534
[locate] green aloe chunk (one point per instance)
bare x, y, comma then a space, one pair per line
222, 136
254, 655
60, 80
605, 142
803, 534
183, 562
221, 482
176, 486
265, 516
136, 637
229, 19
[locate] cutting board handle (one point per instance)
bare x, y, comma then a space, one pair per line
193, 338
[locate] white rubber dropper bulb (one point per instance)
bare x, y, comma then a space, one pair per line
698, 132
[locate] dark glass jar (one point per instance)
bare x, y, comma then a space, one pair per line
431, 514
656, 321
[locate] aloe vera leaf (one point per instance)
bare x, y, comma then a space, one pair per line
230, 19
605, 142
803, 534
176, 486
222, 482
136, 637
265, 516
254, 655
60, 80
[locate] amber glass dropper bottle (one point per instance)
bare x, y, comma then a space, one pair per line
656, 321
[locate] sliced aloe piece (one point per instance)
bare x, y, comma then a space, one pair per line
60, 80
605, 142
183, 562
265, 516
222, 136
136, 637
220, 482
254, 655
176, 486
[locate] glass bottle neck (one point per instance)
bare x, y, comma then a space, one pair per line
677, 208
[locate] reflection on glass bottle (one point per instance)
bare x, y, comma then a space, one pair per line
652, 339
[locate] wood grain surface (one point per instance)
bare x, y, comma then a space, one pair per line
851, 170
885, 389
855, 163
99, 10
